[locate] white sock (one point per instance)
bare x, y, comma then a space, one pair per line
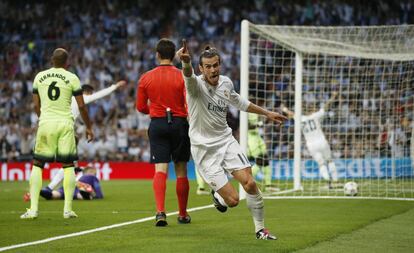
324, 172
220, 199
56, 180
332, 171
255, 205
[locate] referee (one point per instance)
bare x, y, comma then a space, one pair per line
161, 94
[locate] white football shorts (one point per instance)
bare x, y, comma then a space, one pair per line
215, 164
320, 151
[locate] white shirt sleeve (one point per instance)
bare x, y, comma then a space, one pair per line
100, 94
319, 114
237, 101
192, 85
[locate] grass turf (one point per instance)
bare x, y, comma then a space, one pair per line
299, 224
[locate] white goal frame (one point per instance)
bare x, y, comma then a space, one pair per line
244, 92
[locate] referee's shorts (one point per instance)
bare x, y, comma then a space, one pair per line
169, 141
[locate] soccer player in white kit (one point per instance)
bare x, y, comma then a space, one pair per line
215, 151
89, 96
316, 141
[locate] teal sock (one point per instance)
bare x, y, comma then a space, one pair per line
267, 171
69, 182
200, 180
35, 187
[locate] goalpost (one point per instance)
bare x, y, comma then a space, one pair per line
363, 77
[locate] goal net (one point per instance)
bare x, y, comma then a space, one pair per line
349, 94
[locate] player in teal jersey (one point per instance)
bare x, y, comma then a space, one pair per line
55, 138
257, 152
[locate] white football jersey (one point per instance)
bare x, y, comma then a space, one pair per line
208, 106
90, 98
311, 126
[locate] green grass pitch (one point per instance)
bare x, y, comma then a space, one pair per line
319, 225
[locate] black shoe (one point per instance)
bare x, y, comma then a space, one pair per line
78, 169
85, 195
217, 204
46, 193
263, 234
161, 219
184, 219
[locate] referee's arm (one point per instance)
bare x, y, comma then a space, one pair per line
142, 98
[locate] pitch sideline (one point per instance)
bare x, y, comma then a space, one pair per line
90, 231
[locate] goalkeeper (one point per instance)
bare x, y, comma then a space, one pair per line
257, 152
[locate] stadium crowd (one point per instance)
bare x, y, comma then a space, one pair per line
372, 117
114, 40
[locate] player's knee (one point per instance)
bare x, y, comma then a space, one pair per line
232, 201
250, 186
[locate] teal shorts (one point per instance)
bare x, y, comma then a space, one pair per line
55, 141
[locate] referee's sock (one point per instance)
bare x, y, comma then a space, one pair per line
69, 183
159, 186
182, 189
35, 186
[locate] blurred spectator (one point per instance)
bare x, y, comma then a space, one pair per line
114, 40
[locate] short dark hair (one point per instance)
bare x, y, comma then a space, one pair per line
166, 49
87, 87
59, 57
208, 52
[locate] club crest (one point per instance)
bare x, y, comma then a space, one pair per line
226, 93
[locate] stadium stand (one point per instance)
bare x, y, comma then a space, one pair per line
114, 40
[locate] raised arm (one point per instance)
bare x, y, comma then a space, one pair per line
184, 55
189, 77
329, 102
104, 92
85, 117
